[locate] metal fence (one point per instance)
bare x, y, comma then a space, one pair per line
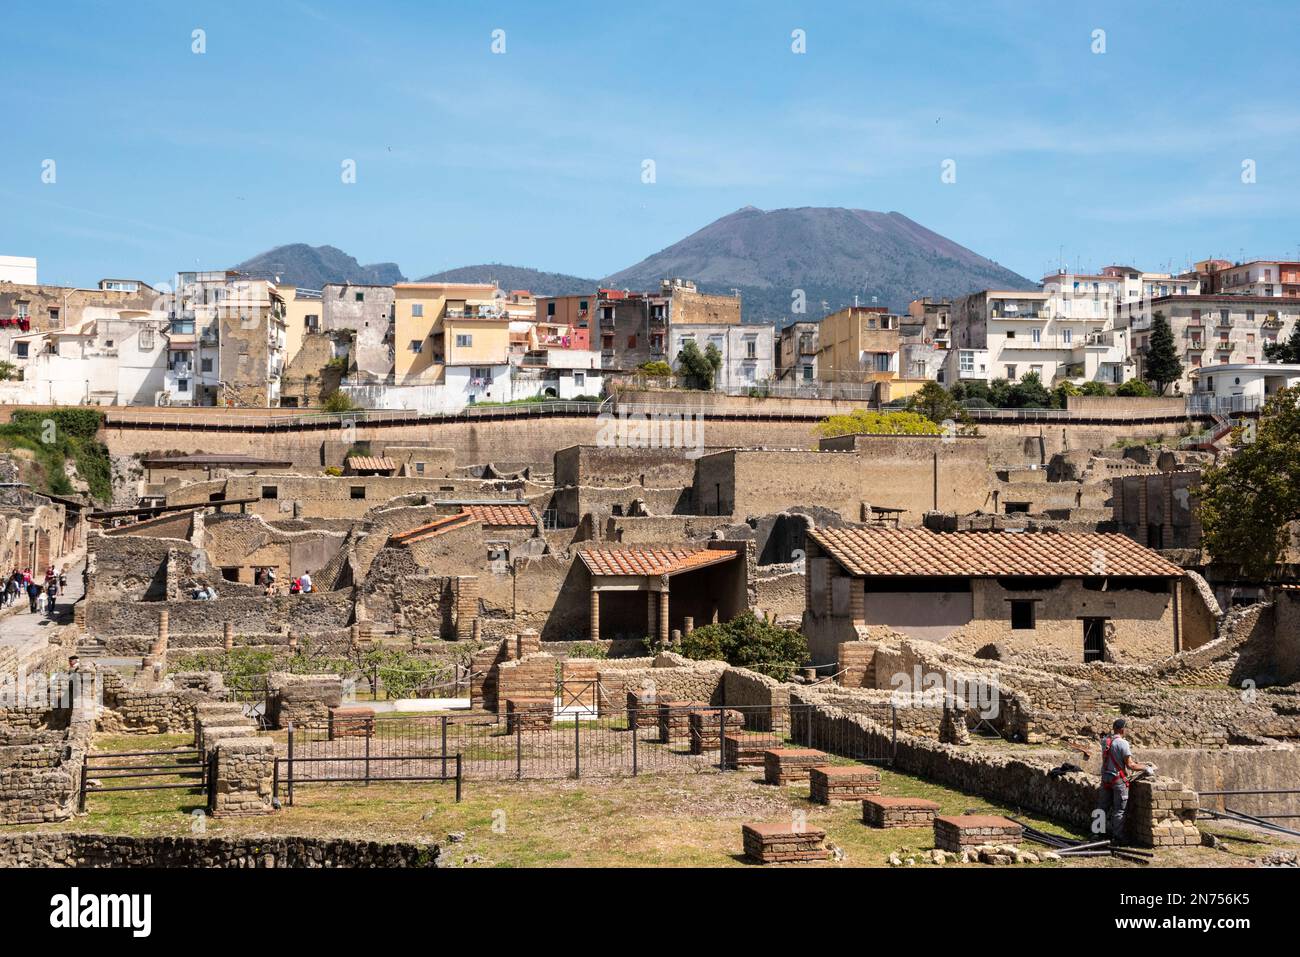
556, 745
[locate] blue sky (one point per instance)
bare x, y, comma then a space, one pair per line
168, 160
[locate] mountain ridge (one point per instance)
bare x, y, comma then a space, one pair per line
832, 255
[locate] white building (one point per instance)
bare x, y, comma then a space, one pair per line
748, 350
1240, 387
558, 374
20, 270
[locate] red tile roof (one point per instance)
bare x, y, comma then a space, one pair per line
920, 552
651, 560
437, 527
511, 514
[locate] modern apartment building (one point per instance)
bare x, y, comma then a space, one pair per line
1210, 330
422, 346
797, 346
859, 344
747, 350
1276, 279
1053, 332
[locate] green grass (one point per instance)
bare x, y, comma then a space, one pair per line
684, 818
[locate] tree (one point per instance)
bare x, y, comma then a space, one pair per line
1061, 394
657, 368
748, 642
877, 423
935, 403
1029, 393
1162, 363
1248, 500
1288, 351
699, 367
1135, 388
338, 402
1094, 388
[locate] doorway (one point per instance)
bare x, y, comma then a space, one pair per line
1094, 639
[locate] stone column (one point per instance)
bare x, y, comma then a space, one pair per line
688, 625
594, 631
650, 605
227, 636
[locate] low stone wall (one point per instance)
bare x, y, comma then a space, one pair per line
48, 849
317, 612
245, 768
1022, 782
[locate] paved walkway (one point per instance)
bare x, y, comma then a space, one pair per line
29, 633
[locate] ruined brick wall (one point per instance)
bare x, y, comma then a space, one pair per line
533, 676
197, 623
304, 700
40, 772
913, 471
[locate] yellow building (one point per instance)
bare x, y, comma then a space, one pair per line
301, 315
420, 336
858, 344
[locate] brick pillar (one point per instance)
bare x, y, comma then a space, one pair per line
227, 636
663, 615
1167, 494
650, 605
857, 602
688, 625
594, 631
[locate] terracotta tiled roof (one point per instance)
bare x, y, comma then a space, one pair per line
920, 552
507, 513
650, 560
367, 463
437, 527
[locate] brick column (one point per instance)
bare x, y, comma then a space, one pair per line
594, 632
650, 605
857, 601
663, 614
245, 768
227, 636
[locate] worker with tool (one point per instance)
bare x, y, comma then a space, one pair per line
1116, 765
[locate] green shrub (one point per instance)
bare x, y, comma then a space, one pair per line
748, 642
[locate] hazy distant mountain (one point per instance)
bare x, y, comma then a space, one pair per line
311, 267
832, 254
516, 277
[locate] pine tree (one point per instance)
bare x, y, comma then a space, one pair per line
1162, 364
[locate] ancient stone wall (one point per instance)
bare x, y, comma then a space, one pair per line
54, 849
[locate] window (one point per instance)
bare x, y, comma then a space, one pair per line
205, 365
882, 361
966, 361
807, 373
20, 350
631, 342
417, 345
1011, 373
270, 491
550, 308
419, 468
54, 317
481, 372
1022, 615
464, 341
751, 348
145, 340
1067, 335
1036, 335
417, 310
108, 343
579, 379
182, 385
361, 297
582, 304
311, 322
358, 491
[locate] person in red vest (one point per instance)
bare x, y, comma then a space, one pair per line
1117, 765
